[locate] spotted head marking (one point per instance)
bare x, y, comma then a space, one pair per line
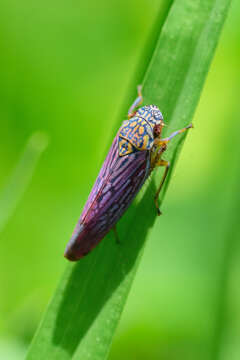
151, 114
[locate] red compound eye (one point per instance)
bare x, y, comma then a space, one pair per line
156, 130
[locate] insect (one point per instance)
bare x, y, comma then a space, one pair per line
135, 152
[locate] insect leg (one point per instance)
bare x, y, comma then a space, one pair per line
176, 133
116, 234
167, 165
136, 103
159, 162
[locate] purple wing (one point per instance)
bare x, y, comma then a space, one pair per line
118, 182
102, 178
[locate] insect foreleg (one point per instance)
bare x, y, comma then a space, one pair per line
167, 165
116, 234
136, 103
176, 133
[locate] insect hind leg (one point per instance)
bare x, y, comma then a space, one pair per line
116, 235
165, 163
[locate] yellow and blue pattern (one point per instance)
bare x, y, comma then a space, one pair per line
124, 147
138, 132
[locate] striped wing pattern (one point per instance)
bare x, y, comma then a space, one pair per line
101, 180
118, 182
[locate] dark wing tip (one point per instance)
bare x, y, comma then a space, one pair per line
71, 253
70, 256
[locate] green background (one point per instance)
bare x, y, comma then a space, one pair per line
64, 70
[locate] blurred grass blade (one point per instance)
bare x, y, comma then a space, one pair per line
19, 180
224, 326
83, 314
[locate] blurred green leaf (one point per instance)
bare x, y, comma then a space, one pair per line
83, 314
19, 180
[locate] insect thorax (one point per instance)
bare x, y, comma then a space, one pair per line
136, 134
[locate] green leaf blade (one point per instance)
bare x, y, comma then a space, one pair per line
84, 312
